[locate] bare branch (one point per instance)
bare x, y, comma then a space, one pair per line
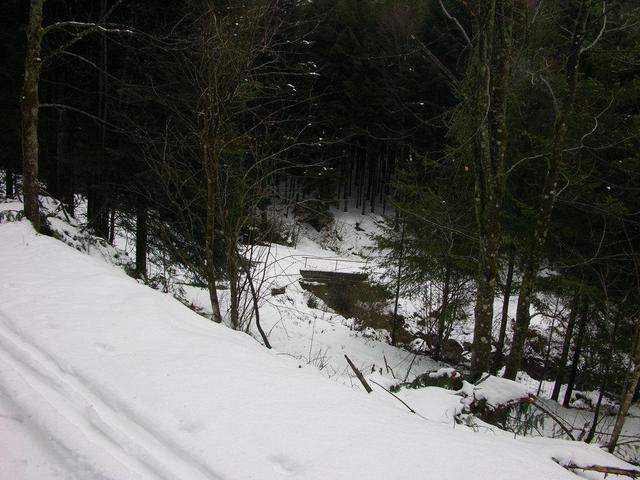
79, 36
556, 106
78, 110
455, 20
443, 69
602, 29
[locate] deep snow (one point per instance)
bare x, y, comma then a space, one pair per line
102, 377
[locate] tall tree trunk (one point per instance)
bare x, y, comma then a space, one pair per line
523, 318
141, 237
633, 380
547, 357
364, 179
10, 187
347, 184
490, 66
112, 227
97, 209
394, 326
374, 184
504, 319
483, 320
549, 195
211, 166
30, 109
604, 382
566, 346
444, 312
65, 171
387, 180
232, 276
573, 373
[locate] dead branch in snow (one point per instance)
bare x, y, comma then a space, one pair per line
603, 469
358, 373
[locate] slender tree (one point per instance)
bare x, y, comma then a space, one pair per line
532, 256
484, 119
30, 114
566, 346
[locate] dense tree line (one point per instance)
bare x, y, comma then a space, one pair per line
499, 138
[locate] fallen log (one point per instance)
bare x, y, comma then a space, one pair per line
627, 472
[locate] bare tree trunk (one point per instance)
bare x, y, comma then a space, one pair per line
10, 189
374, 184
566, 346
584, 313
347, 184
387, 180
211, 166
232, 276
633, 379
394, 326
604, 382
548, 197
141, 237
97, 209
490, 66
483, 320
65, 173
547, 356
504, 319
364, 179
30, 114
444, 312
255, 300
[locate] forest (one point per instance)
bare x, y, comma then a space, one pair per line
497, 142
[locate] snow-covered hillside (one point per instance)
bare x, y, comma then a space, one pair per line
104, 378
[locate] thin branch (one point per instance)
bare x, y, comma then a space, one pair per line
81, 34
78, 110
602, 29
455, 20
554, 417
556, 107
436, 61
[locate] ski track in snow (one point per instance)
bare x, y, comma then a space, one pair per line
82, 425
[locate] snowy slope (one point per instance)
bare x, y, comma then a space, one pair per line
104, 378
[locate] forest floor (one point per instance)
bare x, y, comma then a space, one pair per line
102, 377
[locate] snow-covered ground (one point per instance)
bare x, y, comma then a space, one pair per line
104, 378
315, 335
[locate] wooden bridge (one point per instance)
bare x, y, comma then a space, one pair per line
328, 277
